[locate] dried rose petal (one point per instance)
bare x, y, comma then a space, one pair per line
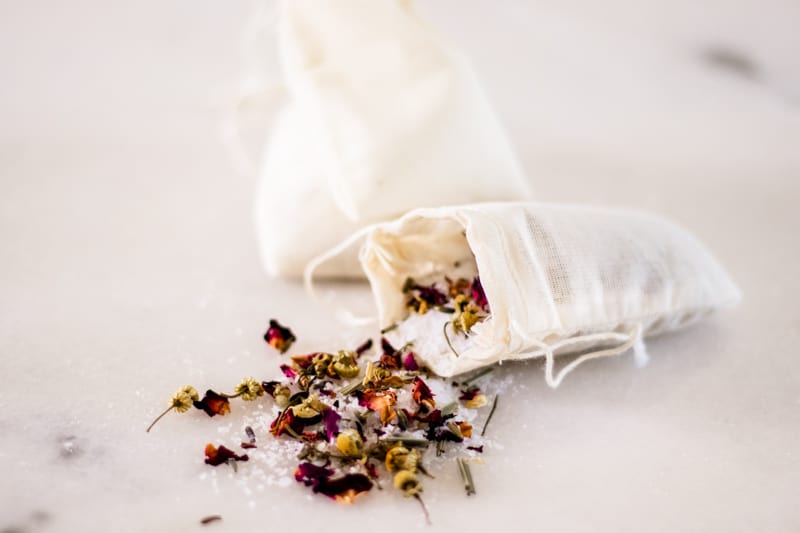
381, 402
214, 404
422, 394
279, 337
217, 456
311, 475
331, 420
466, 429
410, 362
287, 422
478, 449
288, 372
366, 345
478, 296
343, 489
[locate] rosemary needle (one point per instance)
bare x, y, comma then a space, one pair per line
489, 418
447, 338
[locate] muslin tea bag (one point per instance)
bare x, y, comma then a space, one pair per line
382, 116
557, 279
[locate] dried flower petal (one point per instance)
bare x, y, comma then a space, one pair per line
214, 404
350, 444
217, 456
249, 389
279, 337
381, 402
310, 407
410, 362
366, 345
287, 422
473, 398
458, 286
331, 419
344, 365
183, 399
407, 482
422, 394
344, 489
478, 296
401, 458
288, 372
466, 314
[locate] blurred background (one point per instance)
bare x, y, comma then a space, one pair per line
128, 262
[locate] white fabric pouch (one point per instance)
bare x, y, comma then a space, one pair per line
558, 278
383, 116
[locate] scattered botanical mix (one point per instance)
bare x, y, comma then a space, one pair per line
364, 413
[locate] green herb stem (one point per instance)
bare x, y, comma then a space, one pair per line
489, 418
466, 476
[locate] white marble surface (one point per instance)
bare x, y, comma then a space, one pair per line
127, 268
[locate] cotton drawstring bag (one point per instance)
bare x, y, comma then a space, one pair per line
558, 279
382, 116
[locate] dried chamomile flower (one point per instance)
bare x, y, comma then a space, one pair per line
344, 365
350, 444
320, 363
407, 482
279, 337
401, 458
282, 395
248, 390
309, 407
466, 314
181, 402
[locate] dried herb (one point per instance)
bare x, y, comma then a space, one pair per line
279, 337
489, 418
466, 476
181, 402
349, 421
214, 404
251, 438
210, 519
217, 456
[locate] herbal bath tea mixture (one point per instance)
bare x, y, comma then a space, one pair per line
354, 420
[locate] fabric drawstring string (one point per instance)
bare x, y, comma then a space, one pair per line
342, 313
628, 340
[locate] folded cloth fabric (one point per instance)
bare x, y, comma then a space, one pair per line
557, 278
383, 116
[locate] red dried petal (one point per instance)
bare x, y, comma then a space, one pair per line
286, 420
366, 345
410, 362
478, 296
217, 456
381, 402
331, 419
478, 449
343, 489
213, 404
288, 372
421, 393
469, 394
279, 337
